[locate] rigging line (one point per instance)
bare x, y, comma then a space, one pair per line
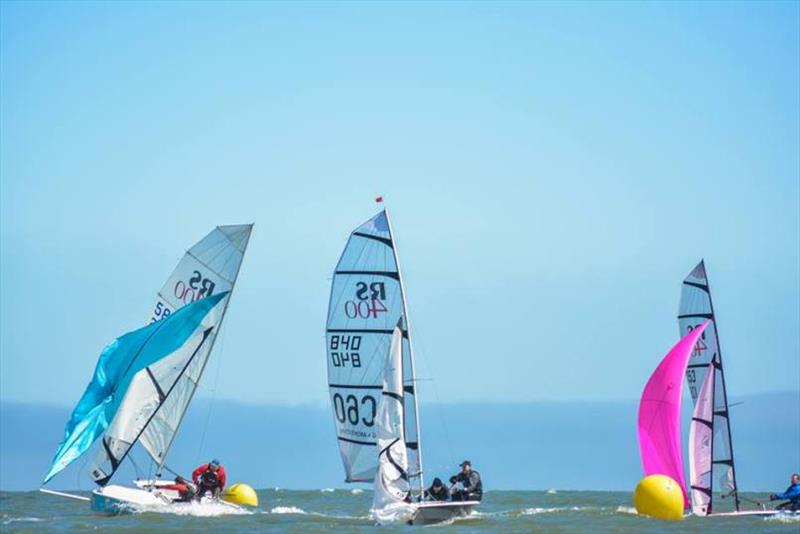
440, 406
220, 353
135, 466
81, 470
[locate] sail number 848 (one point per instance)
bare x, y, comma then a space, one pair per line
344, 351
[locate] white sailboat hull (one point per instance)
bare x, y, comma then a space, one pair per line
756, 513
437, 512
114, 499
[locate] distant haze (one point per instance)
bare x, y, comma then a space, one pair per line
515, 446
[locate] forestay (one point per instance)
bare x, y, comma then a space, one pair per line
695, 307
391, 487
366, 303
209, 268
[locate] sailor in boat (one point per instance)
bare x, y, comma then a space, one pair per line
792, 495
472, 487
186, 490
437, 491
210, 478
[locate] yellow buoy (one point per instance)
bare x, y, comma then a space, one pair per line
240, 494
659, 496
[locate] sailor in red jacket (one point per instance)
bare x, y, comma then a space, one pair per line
209, 477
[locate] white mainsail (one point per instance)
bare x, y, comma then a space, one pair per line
392, 490
701, 440
367, 302
695, 307
148, 414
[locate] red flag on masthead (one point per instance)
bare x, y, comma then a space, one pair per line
379, 199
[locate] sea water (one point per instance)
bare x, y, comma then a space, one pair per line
347, 510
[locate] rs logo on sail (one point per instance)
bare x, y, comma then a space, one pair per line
197, 288
368, 302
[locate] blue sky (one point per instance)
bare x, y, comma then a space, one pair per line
553, 171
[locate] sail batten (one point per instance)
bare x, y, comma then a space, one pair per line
696, 306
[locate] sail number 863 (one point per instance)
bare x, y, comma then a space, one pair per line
344, 351
353, 411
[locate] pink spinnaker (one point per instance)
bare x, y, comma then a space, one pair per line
660, 414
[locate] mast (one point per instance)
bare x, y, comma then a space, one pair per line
411, 354
724, 397
203, 368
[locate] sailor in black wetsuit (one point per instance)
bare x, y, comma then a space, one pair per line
471, 480
437, 491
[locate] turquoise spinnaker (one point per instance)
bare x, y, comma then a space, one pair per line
118, 364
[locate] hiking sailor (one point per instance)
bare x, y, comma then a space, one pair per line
209, 478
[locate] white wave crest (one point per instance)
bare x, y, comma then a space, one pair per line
626, 510
327, 490
357, 491
197, 509
551, 491
287, 510
537, 511
784, 518
471, 516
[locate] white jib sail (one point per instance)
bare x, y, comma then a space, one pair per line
695, 307
701, 441
210, 267
366, 303
391, 487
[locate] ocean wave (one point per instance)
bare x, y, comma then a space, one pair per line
288, 510
784, 518
557, 510
471, 516
197, 509
8, 520
357, 491
626, 510
551, 492
327, 490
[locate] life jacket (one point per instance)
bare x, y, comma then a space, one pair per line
209, 479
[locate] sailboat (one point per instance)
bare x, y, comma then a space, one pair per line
372, 381
696, 356
710, 441
144, 381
